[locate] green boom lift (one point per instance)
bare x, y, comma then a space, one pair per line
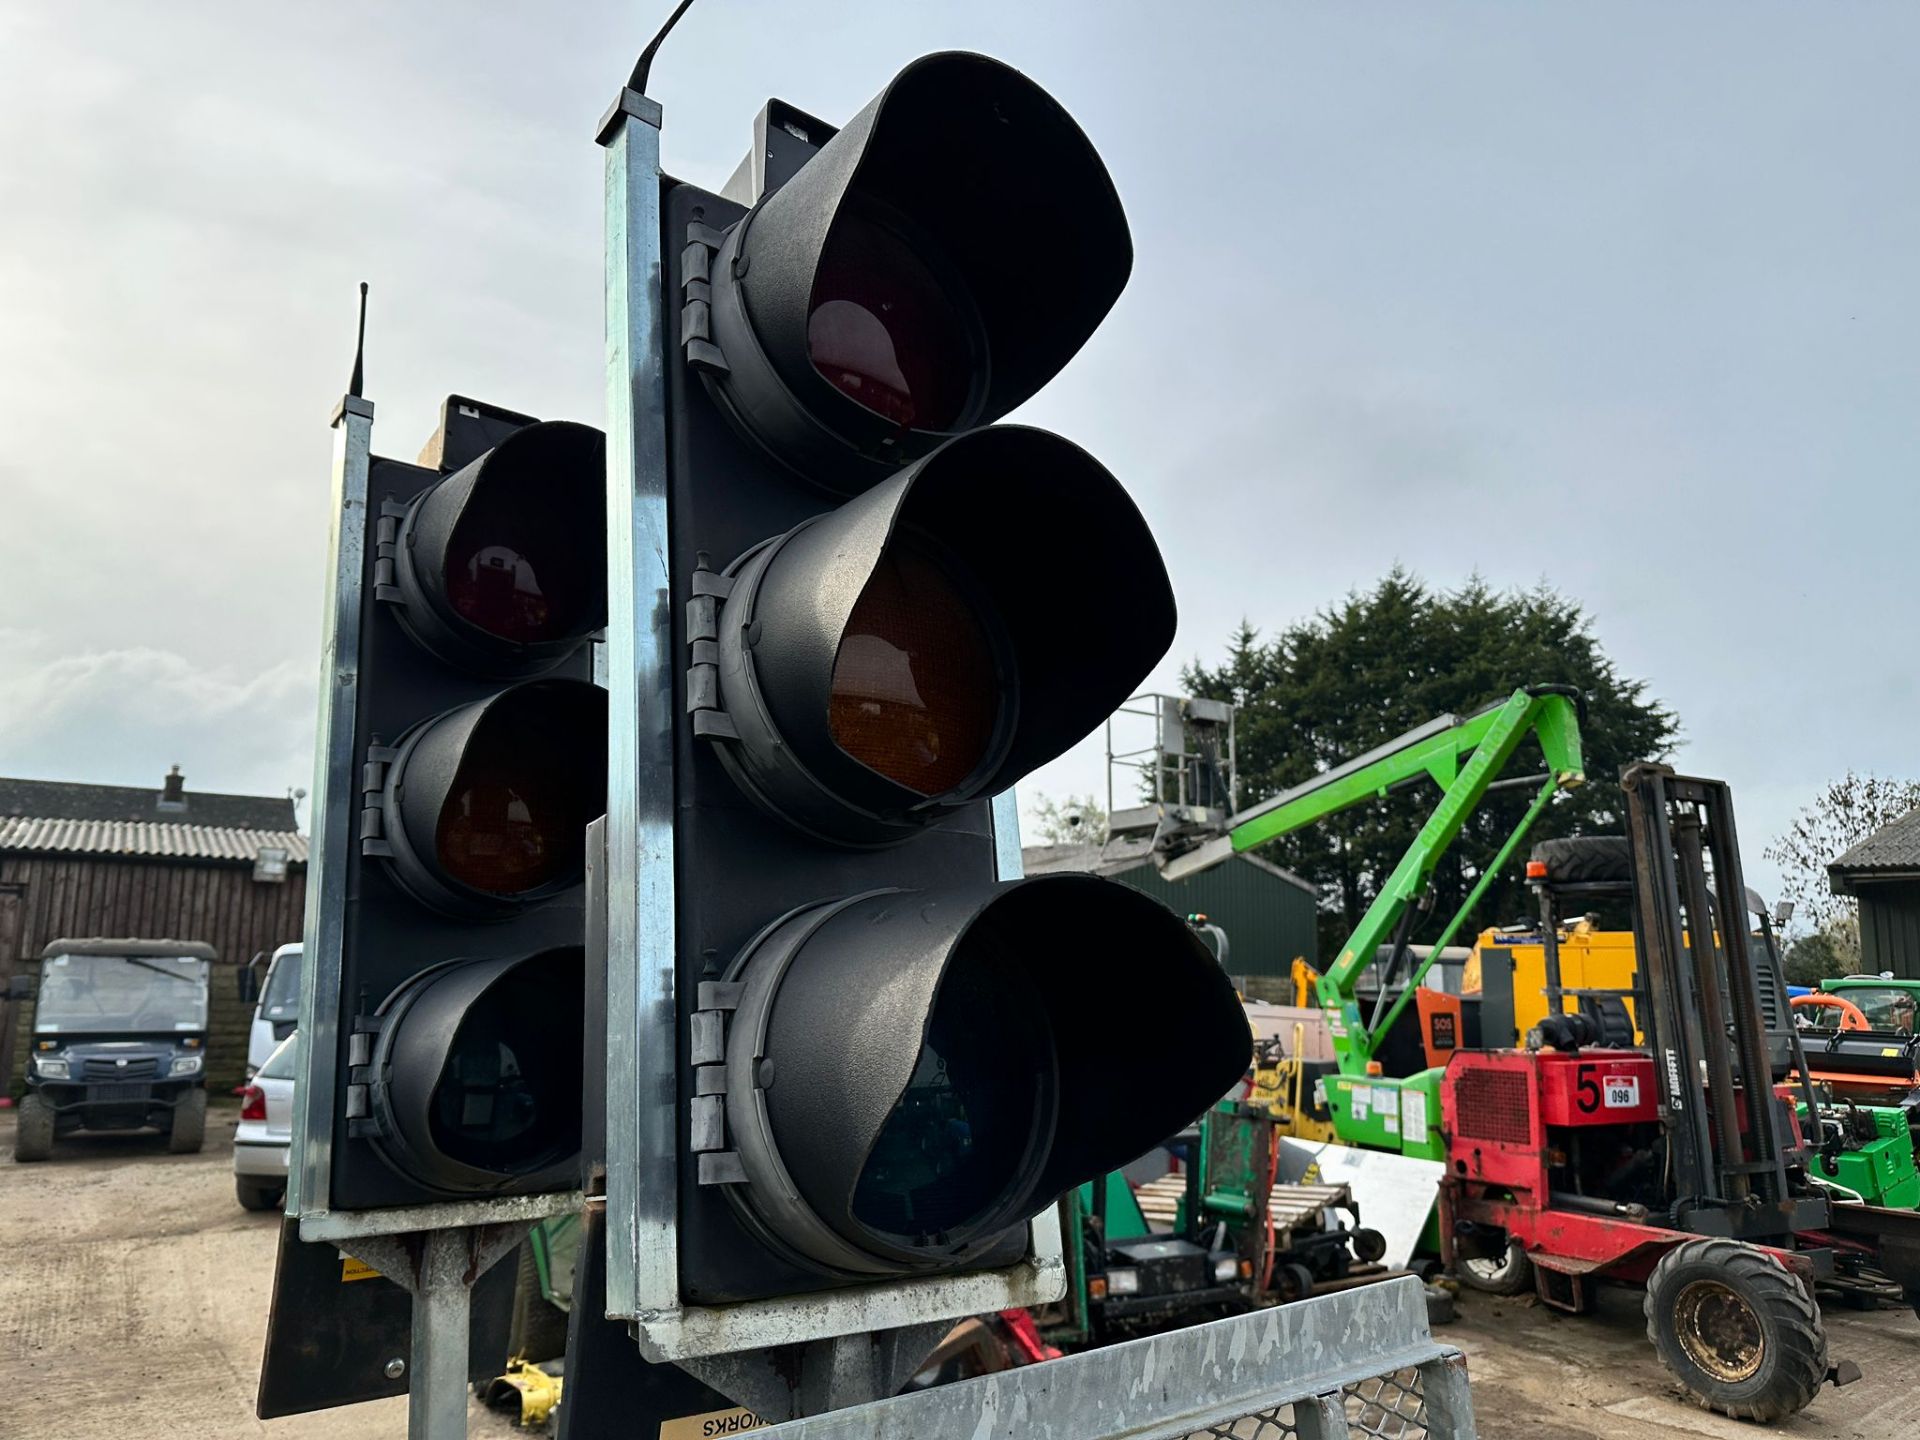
1192, 829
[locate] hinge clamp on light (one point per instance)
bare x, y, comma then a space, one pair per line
704, 704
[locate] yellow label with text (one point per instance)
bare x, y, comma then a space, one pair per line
352, 1269
712, 1424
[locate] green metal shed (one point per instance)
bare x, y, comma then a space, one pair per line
1269, 913
1883, 871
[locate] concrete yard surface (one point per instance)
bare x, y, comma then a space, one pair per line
134, 1293
1538, 1374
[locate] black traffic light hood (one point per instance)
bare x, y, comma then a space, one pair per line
836, 1009
1002, 506
445, 1110
543, 487
546, 740
968, 158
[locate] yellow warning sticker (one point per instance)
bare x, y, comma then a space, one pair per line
352, 1269
711, 1425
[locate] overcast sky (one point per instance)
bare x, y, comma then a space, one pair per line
1622, 297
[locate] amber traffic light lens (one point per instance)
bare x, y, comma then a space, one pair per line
916, 692
883, 329
515, 817
520, 574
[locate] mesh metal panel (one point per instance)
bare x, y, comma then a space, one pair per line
1274, 1424
1387, 1407
1359, 1364
1493, 1105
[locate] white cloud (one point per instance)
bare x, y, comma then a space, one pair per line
136, 711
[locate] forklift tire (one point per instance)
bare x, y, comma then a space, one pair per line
189, 1130
1586, 859
33, 1137
1368, 1245
1737, 1329
255, 1195
1512, 1274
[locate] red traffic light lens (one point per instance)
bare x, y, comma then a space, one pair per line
515, 816
915, 693
518, 573
884, 330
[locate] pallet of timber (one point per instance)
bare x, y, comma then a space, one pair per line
1292, 1206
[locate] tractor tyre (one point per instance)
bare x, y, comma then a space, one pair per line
1586, 859
33, 1137
189, 1129
1737, 1329
1368, 1245
538, 1329
1511, 1274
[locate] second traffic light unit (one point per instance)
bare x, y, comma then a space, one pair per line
892, 1058
454, 1041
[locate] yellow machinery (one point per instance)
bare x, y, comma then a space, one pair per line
1590, 959
1284, 1075
528, 1389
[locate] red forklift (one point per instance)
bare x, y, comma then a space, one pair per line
1678, 1165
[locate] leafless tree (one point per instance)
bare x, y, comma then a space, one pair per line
1844, 814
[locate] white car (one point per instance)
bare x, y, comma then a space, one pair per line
278, 1009
263, 1139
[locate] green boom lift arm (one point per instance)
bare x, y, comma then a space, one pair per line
1465, 757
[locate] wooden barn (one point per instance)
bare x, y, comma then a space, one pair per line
161, 864
1883, 871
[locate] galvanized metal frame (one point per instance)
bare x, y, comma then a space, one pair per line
1311, 1370
331, 821
643, 1272
333, 830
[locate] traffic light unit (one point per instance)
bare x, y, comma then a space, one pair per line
889, 1053
445, 938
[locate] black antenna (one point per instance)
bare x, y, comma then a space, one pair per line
644, 64
360, 347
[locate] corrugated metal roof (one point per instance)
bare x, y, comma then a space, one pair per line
64, 800
145, 838
1270, 914
1117, 857
1893, 847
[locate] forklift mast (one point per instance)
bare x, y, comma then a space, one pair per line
1728, 1136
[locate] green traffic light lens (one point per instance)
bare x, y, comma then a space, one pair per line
963, 1133
508, 1096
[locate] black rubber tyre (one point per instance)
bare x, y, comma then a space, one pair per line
33, 1135
1737, 1329
1512, 1274
1586, 859
1292, 1282
255, 1194
189, 1130
1368, 1245
538, 1330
